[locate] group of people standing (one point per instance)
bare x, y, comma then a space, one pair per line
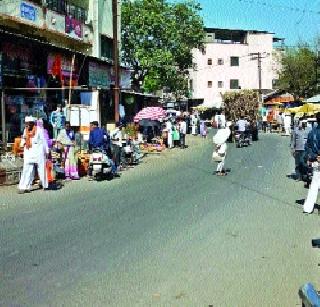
305, 148
176, 130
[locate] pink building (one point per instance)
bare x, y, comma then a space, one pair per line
229, 62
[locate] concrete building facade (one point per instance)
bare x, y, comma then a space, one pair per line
46, 45
229, 62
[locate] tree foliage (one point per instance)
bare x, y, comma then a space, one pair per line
157, 41
299, 71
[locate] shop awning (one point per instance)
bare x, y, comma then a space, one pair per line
314, 99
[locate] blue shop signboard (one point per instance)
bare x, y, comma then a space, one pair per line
28, 11
99, 75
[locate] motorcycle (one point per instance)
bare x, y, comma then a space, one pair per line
242, 139
308, 294
238, 139
100, 166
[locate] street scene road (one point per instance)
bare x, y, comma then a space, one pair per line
169, 233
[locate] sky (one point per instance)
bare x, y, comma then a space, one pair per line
294, 20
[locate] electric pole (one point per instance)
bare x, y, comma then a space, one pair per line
116, 89
258, 56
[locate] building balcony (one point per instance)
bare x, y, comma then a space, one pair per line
32, 19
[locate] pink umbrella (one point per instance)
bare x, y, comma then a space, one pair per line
152, 113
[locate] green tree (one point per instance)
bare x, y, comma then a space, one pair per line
299, 71
157, 42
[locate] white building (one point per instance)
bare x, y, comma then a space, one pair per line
229, 62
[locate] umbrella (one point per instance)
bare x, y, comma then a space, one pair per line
152, 113
306, 108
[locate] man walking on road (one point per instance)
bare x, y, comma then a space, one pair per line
313, 154
297, 146
183, 131
34, 154
220, 152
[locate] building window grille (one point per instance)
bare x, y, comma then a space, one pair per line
234, 84
64, 8
234, 61
106, 47
220, 84
220, 61
209, 61
209, 84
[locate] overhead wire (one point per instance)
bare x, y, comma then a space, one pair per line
284, 7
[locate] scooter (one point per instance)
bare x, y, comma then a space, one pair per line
241, 139
308, 294
100, 165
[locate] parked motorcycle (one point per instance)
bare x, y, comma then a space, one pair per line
100, 166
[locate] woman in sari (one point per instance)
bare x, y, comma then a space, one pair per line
66, 137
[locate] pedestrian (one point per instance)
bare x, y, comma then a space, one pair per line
194, 124
169, 131
66, 137
220, 151
254, 130
298, 149
242, 125
183, 131
313, 154
35, 154
116, 140
203, 129
287, 124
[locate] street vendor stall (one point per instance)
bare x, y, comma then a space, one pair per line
149, 120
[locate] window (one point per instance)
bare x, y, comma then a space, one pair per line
234, 84
209, 84
209, 61
220, 84
220, 61
65, 8
106, 47
234, 61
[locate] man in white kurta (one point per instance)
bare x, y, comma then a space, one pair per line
169, 130
287, 124
35, 155
220, 139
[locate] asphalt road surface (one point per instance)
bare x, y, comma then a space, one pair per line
167, 233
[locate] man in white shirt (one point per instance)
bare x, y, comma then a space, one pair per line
220, 120
116, 140
242, 124
183, 131
169, 131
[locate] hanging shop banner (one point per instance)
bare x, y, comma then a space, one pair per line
60, 66
28, 11
125, 78
99, 75
73, 27
81, 117
90, 99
